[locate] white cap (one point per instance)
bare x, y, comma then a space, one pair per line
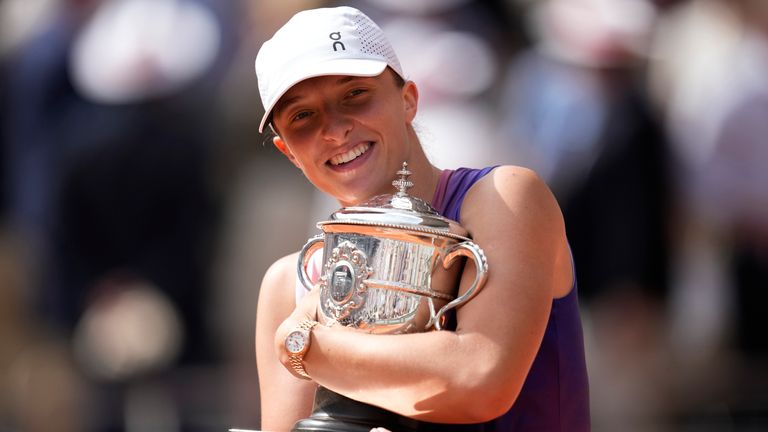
319, 42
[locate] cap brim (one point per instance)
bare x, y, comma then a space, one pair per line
349, 67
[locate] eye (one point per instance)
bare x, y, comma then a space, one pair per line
357, 92
301, 115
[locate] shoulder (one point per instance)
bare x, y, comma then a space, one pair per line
277, 286
511, 188
283, 268
512, 209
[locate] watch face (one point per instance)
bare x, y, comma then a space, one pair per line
295, 341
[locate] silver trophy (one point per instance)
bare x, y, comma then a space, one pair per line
388, 264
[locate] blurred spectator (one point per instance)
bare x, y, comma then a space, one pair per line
576, 111
711, 80
126, 192
108, 142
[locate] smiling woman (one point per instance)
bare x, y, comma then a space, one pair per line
511, 359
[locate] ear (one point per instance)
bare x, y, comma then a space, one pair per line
280, 144
410, 100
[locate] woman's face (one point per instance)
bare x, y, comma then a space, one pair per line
349, 135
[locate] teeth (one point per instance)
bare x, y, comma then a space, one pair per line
350, 155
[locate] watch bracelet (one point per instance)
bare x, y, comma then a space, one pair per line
298, 363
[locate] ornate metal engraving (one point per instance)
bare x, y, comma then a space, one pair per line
341, 285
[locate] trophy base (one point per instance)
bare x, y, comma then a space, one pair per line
333, 412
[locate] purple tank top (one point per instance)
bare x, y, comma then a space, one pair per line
555, 395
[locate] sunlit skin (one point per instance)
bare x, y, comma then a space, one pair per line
470, 375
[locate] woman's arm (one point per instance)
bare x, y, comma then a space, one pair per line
284, 398
475, 373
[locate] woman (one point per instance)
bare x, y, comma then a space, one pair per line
342, 111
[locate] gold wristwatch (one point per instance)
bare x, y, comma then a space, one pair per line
297, 345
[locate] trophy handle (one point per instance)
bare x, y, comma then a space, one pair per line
306, 252
470, 250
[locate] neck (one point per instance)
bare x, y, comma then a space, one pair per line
425, 176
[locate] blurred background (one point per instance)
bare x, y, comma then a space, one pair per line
140, 206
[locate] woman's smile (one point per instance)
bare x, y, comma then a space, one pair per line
352, 158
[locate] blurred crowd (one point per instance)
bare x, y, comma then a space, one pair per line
139, 205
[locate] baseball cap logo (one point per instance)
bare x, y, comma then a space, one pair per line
336, 37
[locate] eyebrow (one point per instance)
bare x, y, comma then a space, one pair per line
284, 103
347, 78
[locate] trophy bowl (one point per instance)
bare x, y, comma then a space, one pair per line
391, 265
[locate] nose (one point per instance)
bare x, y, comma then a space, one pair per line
336, 126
